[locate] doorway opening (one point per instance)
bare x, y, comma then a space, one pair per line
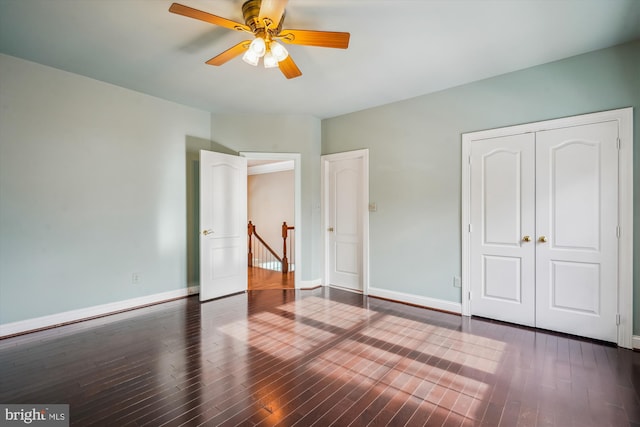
274, 226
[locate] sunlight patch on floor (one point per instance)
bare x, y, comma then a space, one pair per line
328, 312
392, 356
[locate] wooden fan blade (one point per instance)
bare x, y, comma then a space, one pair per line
230, 53
272, 9
207, 17
315, 38
289, 68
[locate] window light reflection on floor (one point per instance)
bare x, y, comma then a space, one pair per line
264, 330
394, 357
328, 312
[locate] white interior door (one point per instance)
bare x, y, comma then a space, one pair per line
344, 223
502, 243
577, 217
223, 224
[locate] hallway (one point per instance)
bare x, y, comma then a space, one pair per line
261, 278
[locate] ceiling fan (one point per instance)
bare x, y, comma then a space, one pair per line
263, 19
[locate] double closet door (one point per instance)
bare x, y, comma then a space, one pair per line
544, 224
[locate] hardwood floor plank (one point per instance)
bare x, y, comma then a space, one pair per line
262, 279
318, 357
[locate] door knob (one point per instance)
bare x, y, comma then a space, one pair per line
526, 239
542, 239
205, 232
330, 229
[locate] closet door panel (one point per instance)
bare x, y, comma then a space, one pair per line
502, 214
576, 220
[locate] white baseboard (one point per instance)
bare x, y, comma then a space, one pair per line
310, 283
437, 304
635, 342
57, 319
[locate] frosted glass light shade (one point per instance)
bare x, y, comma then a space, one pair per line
270, 60
250, 57
258, 46
279, 51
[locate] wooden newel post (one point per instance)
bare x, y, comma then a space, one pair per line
250, 230
285, 261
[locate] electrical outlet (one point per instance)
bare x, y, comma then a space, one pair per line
135, 278
456, 282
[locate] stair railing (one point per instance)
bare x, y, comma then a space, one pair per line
286, 235
261, 251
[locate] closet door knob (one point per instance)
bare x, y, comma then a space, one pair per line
526, 239
542, 239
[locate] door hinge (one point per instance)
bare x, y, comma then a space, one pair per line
469, 158
469, 295
618, 144
618, 232
469, 228
617, 319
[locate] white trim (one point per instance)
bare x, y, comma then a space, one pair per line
624, 116
311, 283
636, 342
286, 165
90, 312
625, 242
465, 235
297, 173
362, 154
340, 288
434, 303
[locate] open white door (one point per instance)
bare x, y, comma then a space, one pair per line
223, 225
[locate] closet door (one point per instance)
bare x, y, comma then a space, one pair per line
503, 237
576, 224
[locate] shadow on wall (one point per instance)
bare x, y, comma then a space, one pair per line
193, 145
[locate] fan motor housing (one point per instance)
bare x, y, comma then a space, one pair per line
250, 12
251, 15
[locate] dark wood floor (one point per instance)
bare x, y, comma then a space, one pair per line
321, 357
261, 278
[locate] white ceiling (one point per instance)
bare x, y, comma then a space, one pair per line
399, 48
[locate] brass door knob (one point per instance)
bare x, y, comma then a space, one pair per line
205, 232
330, 229
526, 239
542, 239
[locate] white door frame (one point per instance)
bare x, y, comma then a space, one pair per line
624, 116
363, 156
297, 215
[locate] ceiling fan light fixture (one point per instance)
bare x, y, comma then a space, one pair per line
270, 61
264, 20
258, 46
251, 58
279, 51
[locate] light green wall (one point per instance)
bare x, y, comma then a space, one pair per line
415, 157
98, 182
92, 189
94, 178
283, 134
